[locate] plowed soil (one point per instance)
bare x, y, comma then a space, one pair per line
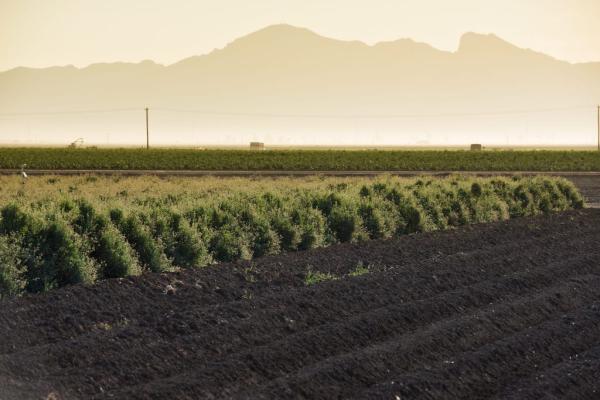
508, 310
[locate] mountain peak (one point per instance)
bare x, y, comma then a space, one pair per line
483, 43
281, 41
279, 32
283, 29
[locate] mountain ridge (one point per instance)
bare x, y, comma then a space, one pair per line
285, 70
280, 29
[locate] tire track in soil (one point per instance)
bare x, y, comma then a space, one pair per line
451, 314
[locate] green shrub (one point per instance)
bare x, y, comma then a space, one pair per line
86, 219
343, 222
476, 189
149, 250
523, 202
489, 209
253, 223
312, 226
185, 246
289, 233
327, 202
430, 204
229, 246
64, 236
13, 219
376, 222
12, 269
570, 192
412, 218
63, 259
117, 259
364, 191
265, 240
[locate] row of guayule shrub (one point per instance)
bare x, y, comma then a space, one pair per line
44, 246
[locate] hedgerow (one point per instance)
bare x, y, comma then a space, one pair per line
309, 160
61, 231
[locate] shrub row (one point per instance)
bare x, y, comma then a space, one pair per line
65, 239
312, 160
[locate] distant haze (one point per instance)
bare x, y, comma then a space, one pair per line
287, 85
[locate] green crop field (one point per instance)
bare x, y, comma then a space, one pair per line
56, 231
308, 160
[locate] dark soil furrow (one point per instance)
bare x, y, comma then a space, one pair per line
187, 298
505, 360
346, 374
578, 377
253, 323
383, 321
480, 311
249, 368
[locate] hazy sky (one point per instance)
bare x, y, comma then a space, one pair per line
41, 33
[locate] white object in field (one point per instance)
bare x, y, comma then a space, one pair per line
23, 173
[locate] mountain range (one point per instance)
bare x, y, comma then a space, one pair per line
289, 85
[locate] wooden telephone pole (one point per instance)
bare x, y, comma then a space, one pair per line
148, 132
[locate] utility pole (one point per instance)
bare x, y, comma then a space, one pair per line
148, 132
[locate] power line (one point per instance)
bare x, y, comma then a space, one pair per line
373, 116
44, 113
307, 116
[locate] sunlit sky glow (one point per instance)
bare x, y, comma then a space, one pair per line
39, 33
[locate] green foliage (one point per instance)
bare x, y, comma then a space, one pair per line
313, 225
571, 195
229, 246
58, 233
308, 160
117, 258
183, 244
289, 234
344, 222
12, 269
314, 277
14, 220
62, 260
379, 220
360, 269
265, 241
149, 250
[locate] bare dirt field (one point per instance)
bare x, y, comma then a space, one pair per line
507, 310
589, 186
